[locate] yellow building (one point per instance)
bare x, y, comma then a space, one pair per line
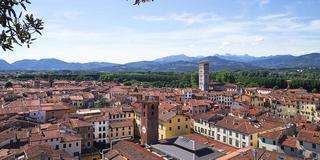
172, 124
310, 110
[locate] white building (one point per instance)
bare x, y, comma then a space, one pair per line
101, 128
58, 139
230, 130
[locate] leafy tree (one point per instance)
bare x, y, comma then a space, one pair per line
194, 80
17, 26
314, 90
137, 2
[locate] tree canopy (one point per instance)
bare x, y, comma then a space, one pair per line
137, 2
18, 26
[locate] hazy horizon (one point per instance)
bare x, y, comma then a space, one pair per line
156, 58
118, 32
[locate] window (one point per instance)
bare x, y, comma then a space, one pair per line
129, 132
224, 131
291, 149
99, 128
314, 155
117, 134
104, 135
230, 133
251, 137
301, 143
70, 145
122, 133
237, 143
75, 154
186, 126
186, 119
104, 128
263, 140
99, 135
57, 147
129, 127
274, 142
243, 144
218, 130
218, 137
170, 128
64, 145
230, 141
237, 135
224, 138
243, 136
123, 128
178, 119
77, 144
88, 144
314, 146
111, 135
170, 121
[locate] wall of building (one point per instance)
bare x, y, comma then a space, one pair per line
121, 133
269, 144
178, 125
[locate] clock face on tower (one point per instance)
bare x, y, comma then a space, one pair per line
144, 130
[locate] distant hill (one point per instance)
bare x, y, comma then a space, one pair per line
289, 61
4, 65
176, 63
52, 64
238, 58
174, 58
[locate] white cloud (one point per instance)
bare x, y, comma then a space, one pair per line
314, 25
241, 40
186, 18
239, 35
264, 2
274, 16
71, 15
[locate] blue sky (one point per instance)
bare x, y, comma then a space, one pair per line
116, 31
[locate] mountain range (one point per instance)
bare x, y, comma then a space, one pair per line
175, 63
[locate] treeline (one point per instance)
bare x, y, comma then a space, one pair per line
153, 79
307, 79
279, 78
53, 75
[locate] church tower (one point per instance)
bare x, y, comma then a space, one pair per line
204, 76
149, 120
